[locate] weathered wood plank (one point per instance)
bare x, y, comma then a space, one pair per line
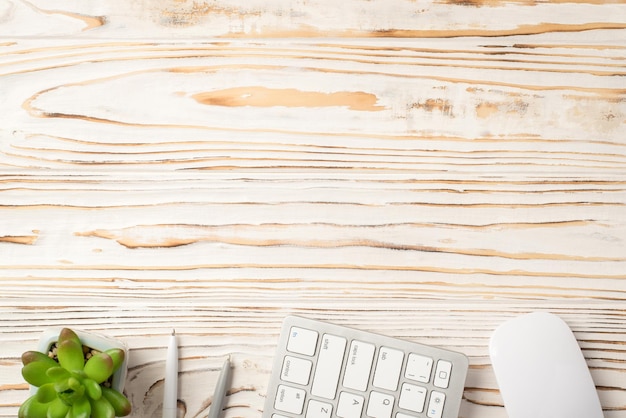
379, 106
296, 19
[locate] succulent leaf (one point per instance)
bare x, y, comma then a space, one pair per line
57, 409
35, 373
31, 356
101, 408
46, 393
70, 396
117, 355
74, 384
93, 389
81, 408
70, 354
32, 408
120, 403
67, 334
99, 367
79, 374
57, 373
62, 385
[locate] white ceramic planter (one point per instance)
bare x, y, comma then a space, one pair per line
93, 340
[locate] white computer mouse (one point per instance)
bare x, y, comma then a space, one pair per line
541, 371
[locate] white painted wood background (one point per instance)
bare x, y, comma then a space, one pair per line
424, 169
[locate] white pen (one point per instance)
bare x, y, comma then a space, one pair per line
170, 390
220, 391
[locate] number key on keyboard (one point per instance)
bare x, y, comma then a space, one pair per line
418, 368
413, 397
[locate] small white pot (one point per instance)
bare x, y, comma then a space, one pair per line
92, 340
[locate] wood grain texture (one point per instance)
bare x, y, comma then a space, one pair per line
389, 106
307, 18
422, 169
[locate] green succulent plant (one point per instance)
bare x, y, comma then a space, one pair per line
70, 386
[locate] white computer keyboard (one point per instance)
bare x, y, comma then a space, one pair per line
322, 370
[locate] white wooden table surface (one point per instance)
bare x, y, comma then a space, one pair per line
426, 169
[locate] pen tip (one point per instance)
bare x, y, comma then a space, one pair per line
173, 332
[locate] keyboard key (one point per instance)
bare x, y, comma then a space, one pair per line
418, 368
442, 374
388, 368
435, 406
302, 341
328, 367
317, 409
289, 399
380, 405
350, 405
401, 415
412, 397
359, 365
296, 370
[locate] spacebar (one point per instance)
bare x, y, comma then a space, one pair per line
328, 367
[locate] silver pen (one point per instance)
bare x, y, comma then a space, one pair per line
220, 391
170, 390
